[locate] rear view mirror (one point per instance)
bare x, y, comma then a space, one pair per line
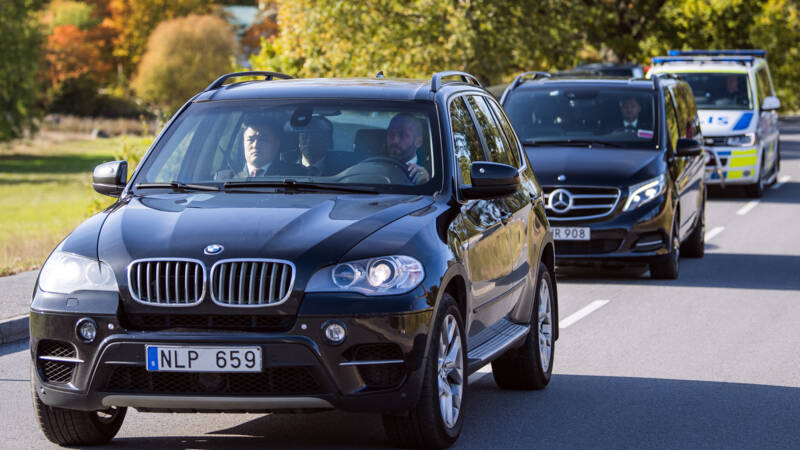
491, 180
110, 178
689, 147
771, 103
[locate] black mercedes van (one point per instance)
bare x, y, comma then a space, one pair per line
301, 245
621, 163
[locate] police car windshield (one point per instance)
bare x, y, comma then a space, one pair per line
719, 90
619, 117
261, 144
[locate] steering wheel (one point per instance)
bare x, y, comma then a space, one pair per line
376, 170
387, 160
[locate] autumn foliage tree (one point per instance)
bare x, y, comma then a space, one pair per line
183, 56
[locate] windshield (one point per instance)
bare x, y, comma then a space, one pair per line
719, 90
385, 146
614, 117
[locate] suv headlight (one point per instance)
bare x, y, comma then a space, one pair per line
385, 275
742, 140
65, 273
642, 193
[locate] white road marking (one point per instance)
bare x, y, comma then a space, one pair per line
749, 206
713, 232
581, 313
780, 182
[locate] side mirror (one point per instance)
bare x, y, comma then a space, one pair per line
490, 180
110, 178
689, 147
771, 103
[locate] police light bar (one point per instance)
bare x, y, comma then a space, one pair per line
733, 59
754, 53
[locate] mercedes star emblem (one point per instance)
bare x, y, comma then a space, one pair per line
560, 200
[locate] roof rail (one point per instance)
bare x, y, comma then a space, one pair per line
270, 76
436, 81
738, 52
532, 75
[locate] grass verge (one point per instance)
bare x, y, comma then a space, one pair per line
45, 192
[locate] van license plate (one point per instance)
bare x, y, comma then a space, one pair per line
571, 233
202, 359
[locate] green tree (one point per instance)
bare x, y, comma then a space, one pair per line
20, 42
183, 56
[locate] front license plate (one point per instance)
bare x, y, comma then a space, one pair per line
571, 233
202, 359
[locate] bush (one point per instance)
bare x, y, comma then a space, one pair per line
183, 56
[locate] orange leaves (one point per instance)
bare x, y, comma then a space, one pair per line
70, 53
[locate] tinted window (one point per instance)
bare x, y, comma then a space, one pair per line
466, 144
271, 140
688, 125
492, 137
624, 117
719, 90
671, 119
764, 87
511, 138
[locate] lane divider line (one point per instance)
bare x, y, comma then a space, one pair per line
748, 207
581, 313
713, 232
781, 181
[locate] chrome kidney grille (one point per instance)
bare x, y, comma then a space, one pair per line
584, 202
167, 282
251, 282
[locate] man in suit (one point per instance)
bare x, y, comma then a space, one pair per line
630, 109
404, 142
262, 142
315, 141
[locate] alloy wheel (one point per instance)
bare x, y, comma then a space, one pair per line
450, 371
545, 326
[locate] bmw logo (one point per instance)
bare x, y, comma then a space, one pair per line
213, 249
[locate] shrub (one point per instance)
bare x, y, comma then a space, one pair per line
183, 56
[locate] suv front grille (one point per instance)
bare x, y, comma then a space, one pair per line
273, 380
586, 202
595, 246
380, 366
167, 282
251, 282
54, 361
249, 322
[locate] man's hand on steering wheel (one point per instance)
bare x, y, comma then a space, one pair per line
417, 174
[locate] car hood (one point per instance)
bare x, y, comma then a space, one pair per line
310, 230
594, 166
726, 122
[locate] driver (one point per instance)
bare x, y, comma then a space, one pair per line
404, 142
630, 109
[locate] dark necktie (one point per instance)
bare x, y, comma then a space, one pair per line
257, 173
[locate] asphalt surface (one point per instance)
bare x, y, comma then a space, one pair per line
709, 360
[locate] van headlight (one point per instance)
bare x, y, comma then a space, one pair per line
742, 140
385, 275
65, 273
642, 193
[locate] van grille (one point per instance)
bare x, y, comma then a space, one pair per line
167, 282
587, 202
251, 282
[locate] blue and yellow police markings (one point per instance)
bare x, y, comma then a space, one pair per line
742, 163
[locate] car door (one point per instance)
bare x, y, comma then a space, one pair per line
689, 127
768, 120
510, 286
677, 165
479, 225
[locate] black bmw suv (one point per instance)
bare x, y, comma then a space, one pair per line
621, 163
301, 245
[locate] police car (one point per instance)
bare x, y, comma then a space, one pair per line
738, 110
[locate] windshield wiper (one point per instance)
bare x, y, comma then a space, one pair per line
295, 185
178, 186
589, 142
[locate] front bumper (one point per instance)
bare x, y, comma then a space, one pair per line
737, 166
300, 370
634, 238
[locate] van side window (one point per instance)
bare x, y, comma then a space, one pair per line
492, 137
466, 144
671, 121
763, 85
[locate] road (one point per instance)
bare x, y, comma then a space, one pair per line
709, 360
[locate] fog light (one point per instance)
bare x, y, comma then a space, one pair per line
86, 329
334, 332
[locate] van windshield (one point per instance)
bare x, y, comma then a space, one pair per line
386, 146
615, 117
719, 90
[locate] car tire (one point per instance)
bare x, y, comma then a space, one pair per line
695, 244
756, 190
70, 427
669, 266
530, 366
776, 167
432, 423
